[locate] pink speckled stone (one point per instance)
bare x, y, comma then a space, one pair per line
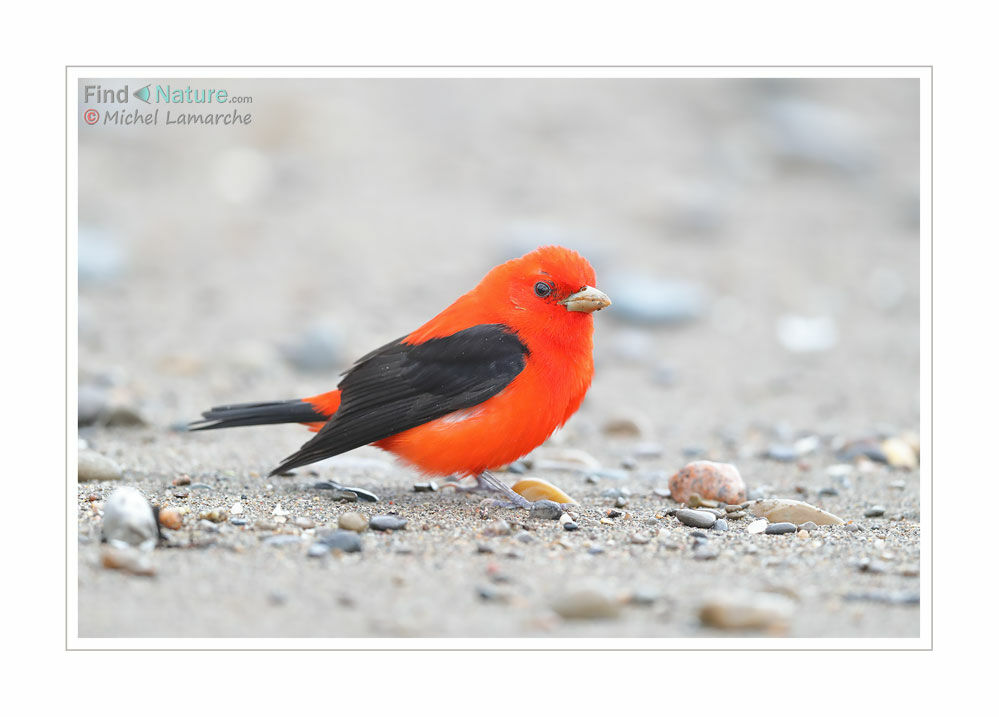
714, 481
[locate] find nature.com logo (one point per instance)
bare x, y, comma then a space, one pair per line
162, 94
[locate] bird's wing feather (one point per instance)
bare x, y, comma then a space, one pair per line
401, 386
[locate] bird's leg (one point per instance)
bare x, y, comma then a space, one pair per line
488, 480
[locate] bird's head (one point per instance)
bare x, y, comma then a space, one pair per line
551, 289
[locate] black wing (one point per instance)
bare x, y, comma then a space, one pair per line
401, 386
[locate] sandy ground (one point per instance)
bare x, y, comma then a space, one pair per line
356, 210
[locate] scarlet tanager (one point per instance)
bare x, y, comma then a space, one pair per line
481, 384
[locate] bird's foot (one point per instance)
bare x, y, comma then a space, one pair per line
359, 492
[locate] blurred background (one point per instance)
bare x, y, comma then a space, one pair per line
759, 239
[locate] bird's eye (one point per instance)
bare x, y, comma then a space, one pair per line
543, 288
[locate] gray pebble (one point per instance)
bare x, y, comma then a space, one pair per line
696, 518
387, 522
808, 526
781, 452
570, 526
720, 524
238, 521
95, 467
345, 540
280, 540
524, 537
318, 349
129, 520
428, 487
546, 510
875, 512
705, 552
620, 502
781, 528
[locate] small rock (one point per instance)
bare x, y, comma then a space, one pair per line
720, 524
809, 525
215, 516
746, 611
875, 512
757, 526
546, 510
170, 518
428, 487
387, 522
303, 522
497, 527
620, 502
130, 559
181, 480
346, 541
807, 334
710, 480
92, 466
279, 540
780, 528
794, 511
318, 349
696, 518
705, 552
129, 520
632, 426
355, 522
570, 526
586, 604
655, 300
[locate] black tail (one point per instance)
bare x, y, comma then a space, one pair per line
257, 414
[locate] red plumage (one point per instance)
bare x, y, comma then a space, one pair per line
481, 384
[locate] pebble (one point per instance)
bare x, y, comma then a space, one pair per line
546, 510
90, 404
388, 522
655, 300
780, 528
620, 502
696, 518
317, 349
129, 520
570, 526
346, 541
746, 611
538, 490
129, 559
782, 452
807, 334
207, 526
170, 518
279, 540
428, 487
794, 511
696, 501
92, 466
633, 426
303, 522
215, 516
757, 526
720, 524
737, 515
497, 527
710, 480
586, 604
875, 512
524, 537
181, 480
355, 522
809, 525
705, 552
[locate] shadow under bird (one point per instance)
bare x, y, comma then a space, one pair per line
481, 384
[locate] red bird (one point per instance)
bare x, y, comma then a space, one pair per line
481, 384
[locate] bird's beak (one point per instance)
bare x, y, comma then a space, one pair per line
586, 299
